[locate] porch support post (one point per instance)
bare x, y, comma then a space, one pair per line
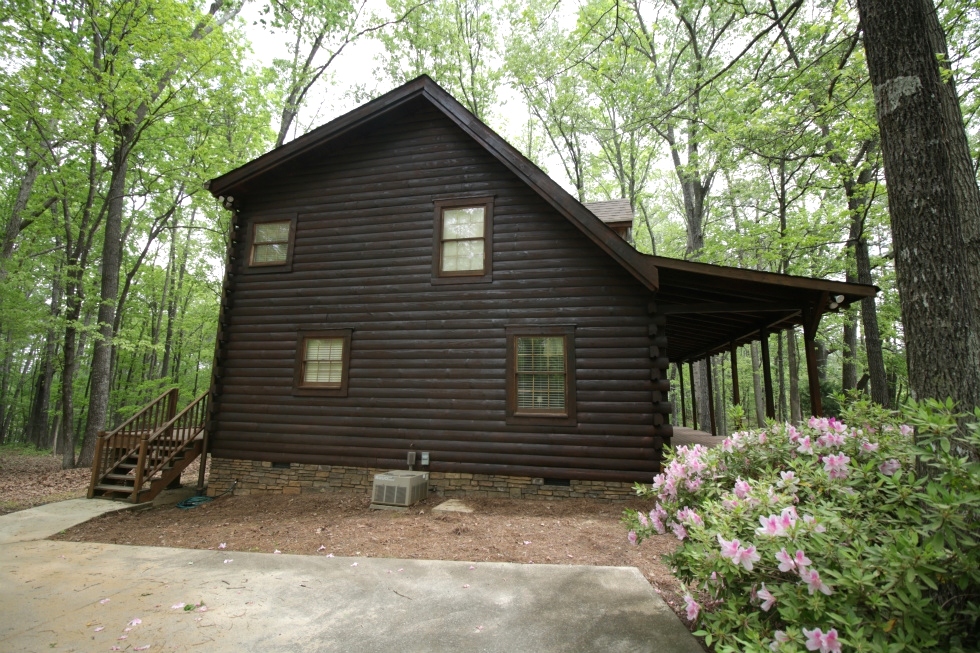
711, 396
694, 397
767, 373
811, 320
680, 374
736, 398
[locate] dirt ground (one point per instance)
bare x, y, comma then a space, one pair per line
570, 531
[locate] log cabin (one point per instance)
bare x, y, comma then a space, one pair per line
402, 280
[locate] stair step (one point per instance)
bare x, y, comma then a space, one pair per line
121, 489
121, 477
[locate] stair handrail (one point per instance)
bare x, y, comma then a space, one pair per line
128, 434
180, 431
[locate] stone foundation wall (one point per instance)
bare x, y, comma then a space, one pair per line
257, 477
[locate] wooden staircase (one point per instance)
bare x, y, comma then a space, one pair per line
136, 461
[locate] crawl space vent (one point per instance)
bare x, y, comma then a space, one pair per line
400, 487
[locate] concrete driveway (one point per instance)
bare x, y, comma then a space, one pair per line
61, 596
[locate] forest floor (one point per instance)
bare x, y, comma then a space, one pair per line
29, 479
570, 531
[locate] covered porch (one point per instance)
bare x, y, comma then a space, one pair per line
713, 309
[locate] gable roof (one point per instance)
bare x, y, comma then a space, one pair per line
710, 306
237, 181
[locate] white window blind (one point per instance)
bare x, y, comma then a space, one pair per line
271, 242
462, 239
541, 373
324, 361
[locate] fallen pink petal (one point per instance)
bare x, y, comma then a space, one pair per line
178, 606
141, 648
99, 628
104, 601
135, 622
354, 565
465, 586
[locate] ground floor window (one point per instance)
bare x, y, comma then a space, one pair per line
322, 362
541, 375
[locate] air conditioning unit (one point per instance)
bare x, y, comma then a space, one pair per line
400, 487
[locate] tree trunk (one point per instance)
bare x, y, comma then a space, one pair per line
849, 376
933, 199
872, 334
701, 395
795, 413
38, 425
757, 392
780, 379
721, 399
101, 372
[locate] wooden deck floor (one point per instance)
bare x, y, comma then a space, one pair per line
686, 436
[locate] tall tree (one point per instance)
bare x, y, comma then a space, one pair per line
456, 42
933, 197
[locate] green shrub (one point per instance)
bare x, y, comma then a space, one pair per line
825, 538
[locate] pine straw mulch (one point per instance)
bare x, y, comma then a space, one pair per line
569, 531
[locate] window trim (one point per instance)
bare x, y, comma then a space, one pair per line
466, 276
260, 268
514, 415
300, 387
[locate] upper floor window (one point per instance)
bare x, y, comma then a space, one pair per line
270, 246
462, 245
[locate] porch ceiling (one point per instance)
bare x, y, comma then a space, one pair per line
710, 306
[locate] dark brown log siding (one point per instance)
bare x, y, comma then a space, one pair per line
427, 361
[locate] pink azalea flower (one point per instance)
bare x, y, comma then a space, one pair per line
788, 562
814, 524
794, 435
837, 426
779, 638
836, 465
771, 526
679, 531
726, 445
642, 519
762, 437
787, 479
813, 582
742, 488
693, 609
906, 430
222, 545
768, 600
631, 536
805, 446
687, 516
746, 557
729, 504
816, 640
889, 467
787, 518
868, 447
729, 549
692, 484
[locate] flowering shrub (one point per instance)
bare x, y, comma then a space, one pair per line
824, 537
